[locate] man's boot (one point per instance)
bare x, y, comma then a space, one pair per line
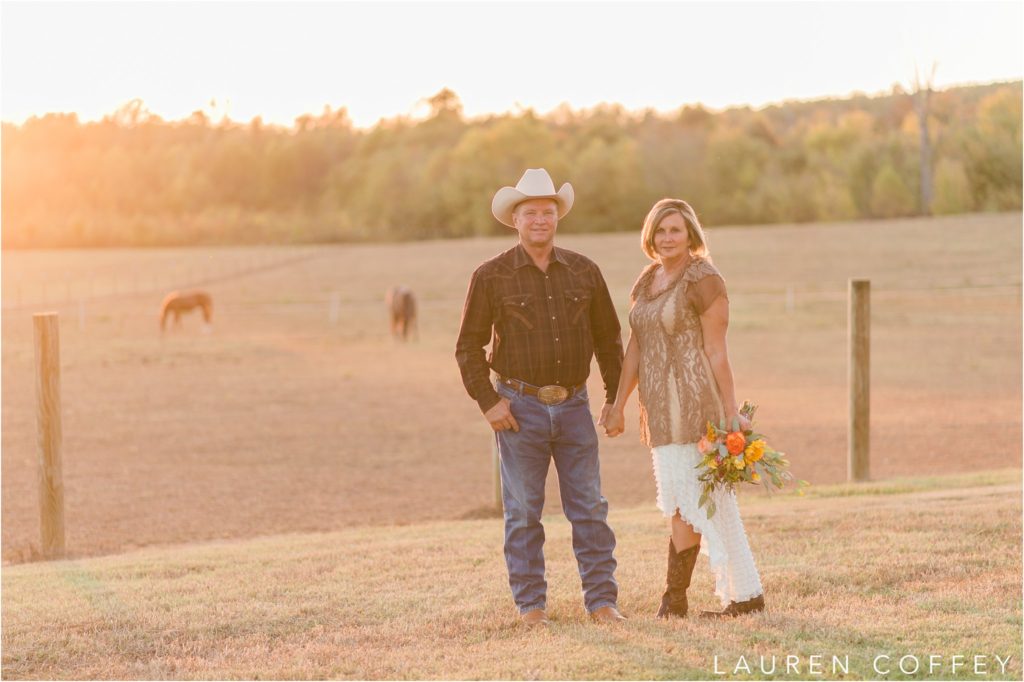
680, 569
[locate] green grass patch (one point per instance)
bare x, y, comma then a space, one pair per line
902, 485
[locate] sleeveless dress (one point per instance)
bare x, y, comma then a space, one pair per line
678, 395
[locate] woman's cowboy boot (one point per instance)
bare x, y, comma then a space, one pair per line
680, 568
737, 608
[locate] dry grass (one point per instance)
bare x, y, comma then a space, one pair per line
282, 422
934, 572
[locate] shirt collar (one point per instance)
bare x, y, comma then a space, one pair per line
521, 258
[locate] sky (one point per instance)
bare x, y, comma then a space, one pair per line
382, 59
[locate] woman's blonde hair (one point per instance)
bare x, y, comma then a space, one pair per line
664, 208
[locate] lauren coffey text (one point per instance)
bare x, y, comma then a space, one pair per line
882, 665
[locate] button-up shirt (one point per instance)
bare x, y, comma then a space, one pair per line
544, 327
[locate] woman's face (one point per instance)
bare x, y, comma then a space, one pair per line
671, 239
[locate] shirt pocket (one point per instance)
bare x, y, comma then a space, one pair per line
519, 310
577, 304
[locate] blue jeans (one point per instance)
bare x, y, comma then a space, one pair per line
565, 433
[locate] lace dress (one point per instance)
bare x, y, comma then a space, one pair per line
678, 395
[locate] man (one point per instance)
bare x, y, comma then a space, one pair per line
549, 312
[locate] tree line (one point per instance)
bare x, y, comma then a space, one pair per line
134, 179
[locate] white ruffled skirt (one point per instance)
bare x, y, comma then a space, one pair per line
723, 539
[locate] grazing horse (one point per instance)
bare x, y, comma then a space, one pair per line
401, 304
178, 302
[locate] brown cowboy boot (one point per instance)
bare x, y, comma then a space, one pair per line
680, 569
737, 608
535, 618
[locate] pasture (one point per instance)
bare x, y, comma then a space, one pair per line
298, 413
877, 577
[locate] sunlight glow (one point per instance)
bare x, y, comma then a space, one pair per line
280, 61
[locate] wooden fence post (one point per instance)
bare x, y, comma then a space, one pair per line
858, 458
51, 477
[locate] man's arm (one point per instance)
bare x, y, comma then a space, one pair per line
474, 334
604, 325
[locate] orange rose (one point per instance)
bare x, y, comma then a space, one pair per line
735, 442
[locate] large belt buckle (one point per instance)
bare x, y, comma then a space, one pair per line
552, 395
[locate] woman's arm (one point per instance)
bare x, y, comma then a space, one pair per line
630, 373
714, 323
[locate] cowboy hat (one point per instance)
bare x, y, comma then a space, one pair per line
535, 184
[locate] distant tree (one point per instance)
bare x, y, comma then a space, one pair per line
695, 117
445, 103
134, 179
735, 163
131, 113
490, 156
609, 190
890, 195
952, 188
993, 151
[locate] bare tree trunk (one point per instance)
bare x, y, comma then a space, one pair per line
921, 96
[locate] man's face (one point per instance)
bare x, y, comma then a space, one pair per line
536, 221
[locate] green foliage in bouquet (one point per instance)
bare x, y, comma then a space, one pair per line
732, 456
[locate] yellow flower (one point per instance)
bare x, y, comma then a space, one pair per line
713, 463
711, 431
755, 477
738, 462
755, 450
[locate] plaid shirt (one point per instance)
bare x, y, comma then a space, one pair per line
546, 326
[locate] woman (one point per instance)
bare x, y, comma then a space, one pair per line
677, 353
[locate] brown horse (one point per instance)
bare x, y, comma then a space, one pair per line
401, 305
178, 302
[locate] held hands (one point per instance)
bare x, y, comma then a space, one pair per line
613, 420
500, 417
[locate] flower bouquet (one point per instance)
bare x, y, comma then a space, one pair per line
731, 457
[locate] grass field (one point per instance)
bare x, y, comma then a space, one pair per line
908, 569
284, 420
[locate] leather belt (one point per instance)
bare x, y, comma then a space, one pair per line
549, 395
